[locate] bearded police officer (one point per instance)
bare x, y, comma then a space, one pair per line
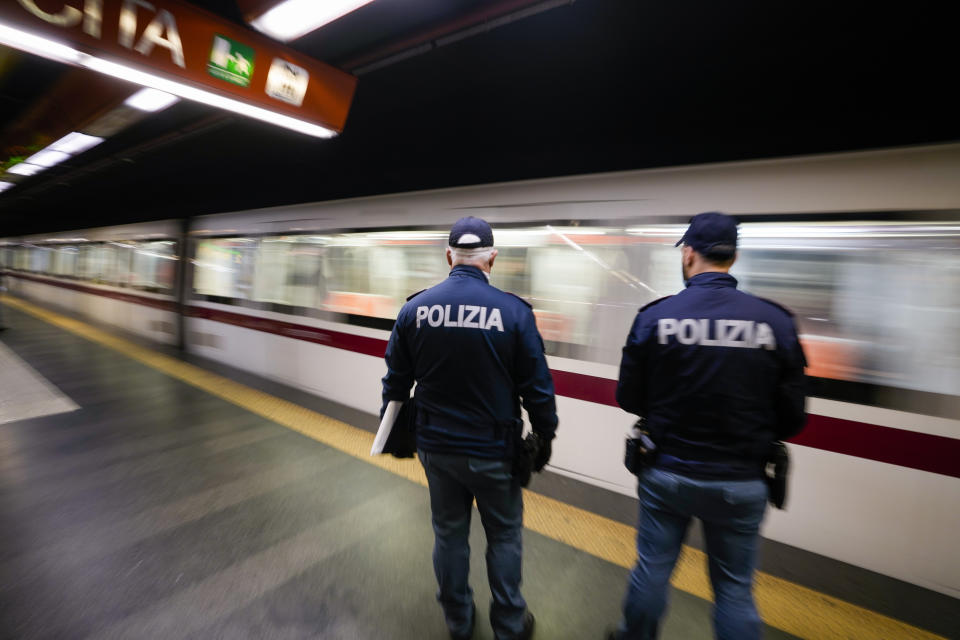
474, 352
717, 374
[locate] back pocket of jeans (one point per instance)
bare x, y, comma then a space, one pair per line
746, 494
493, 469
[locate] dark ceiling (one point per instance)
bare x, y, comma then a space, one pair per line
589, 86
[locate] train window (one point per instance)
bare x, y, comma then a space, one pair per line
154, 266
84, 262
390, 279
96, 262
289, 271
23, 258
367, 276
117, 263
40, 259
305, 278
348, 269
269, 274
224, 267
424, 267
585, 285
65, 261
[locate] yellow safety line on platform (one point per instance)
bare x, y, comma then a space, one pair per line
785, 605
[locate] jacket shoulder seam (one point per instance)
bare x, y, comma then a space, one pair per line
657, 301
414, 295
519, 298
777, 305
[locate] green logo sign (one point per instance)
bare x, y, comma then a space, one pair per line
231, 61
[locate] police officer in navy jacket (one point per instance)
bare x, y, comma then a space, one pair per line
475, 353
718, 376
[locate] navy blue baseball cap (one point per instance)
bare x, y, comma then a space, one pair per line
712, 234
470, 233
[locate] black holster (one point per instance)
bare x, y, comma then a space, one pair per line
640, 451
525, 452
776, 467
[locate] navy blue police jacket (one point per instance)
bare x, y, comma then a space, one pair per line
718, 374
474, 352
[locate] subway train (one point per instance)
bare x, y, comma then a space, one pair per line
863, 247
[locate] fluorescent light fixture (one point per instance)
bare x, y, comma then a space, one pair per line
151, 100
47, 157
25, 169
199, 95
294, 18
67, 146
6, 185
53, 50
75, 143
38, 45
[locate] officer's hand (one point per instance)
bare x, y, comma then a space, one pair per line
543, 454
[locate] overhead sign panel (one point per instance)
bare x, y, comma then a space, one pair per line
177, 48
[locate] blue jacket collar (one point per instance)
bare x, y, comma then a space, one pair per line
712, 279
470, 271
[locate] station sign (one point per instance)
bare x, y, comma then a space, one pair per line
182, 44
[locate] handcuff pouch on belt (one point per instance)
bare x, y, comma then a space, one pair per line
641, 451
775, 470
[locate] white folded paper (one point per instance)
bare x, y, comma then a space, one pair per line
386, 425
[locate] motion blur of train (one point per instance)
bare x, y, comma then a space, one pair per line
863, 247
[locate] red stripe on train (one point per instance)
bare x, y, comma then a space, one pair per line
584, 387
156, 303
922, 451
901, 447
337, 339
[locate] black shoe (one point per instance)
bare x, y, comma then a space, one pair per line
473, 624
528, 622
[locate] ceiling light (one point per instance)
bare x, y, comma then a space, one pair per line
25, 169
291, 19
75, 143
47, 157
38, 45
151, 100
199, 95
56, 51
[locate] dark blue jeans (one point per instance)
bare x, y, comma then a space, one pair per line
731, 512
454, 483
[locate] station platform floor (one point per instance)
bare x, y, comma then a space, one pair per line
147, 494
